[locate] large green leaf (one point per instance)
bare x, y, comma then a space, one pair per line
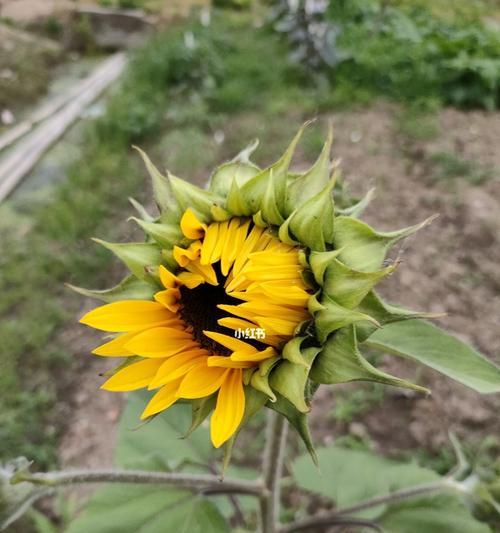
160, 437
147, 509
439, 350
437, 514
350, 476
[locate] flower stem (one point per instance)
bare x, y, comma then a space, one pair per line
272, 469
207, 484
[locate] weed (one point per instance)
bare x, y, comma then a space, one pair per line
350, 405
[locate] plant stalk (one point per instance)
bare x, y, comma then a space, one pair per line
272, 470
203, 483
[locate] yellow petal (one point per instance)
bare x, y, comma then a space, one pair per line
293, 295
201, 381
276, 326
169, 298
191, 280
274, 258
168, 279
229, 342
221, 239
229, 409
248, 248
133, 377
191, 226
116, 347
185, 256
229, 250
162, 400
268, 273
177, 366
127, 315
161, 342
206, 271
253, 357
226, 362
262, 308
235, 323
209, 244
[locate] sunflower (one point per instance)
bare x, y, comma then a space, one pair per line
247, 294
234, 280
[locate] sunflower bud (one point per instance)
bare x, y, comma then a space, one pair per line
247, 294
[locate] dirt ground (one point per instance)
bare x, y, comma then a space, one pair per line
451, 267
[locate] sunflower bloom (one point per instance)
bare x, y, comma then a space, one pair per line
248, 294
235, 300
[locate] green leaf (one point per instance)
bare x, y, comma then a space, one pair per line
141, 258
130, 288
161, 437
437, 514
148, 509
349, 476
269, 207
439, 350
340, 362
363, 248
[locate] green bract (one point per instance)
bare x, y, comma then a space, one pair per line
344, 258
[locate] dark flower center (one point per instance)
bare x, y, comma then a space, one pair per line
199, 310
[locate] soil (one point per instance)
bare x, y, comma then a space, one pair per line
449, 267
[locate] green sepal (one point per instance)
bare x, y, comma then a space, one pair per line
292, 352
284, 233
364, 248
269, 206
357, 209
312, 222
141, 210
200, 409
219, 214
340, 361
319, 261
260, 378
254, 402
298, 420
167, 235
254, 190
140, 258
384, 313
347, 286
240, 169
168, 258
333, 316
259, 221
313, 181
162, 191
199, 200
235, 201
290, 379
130, 288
